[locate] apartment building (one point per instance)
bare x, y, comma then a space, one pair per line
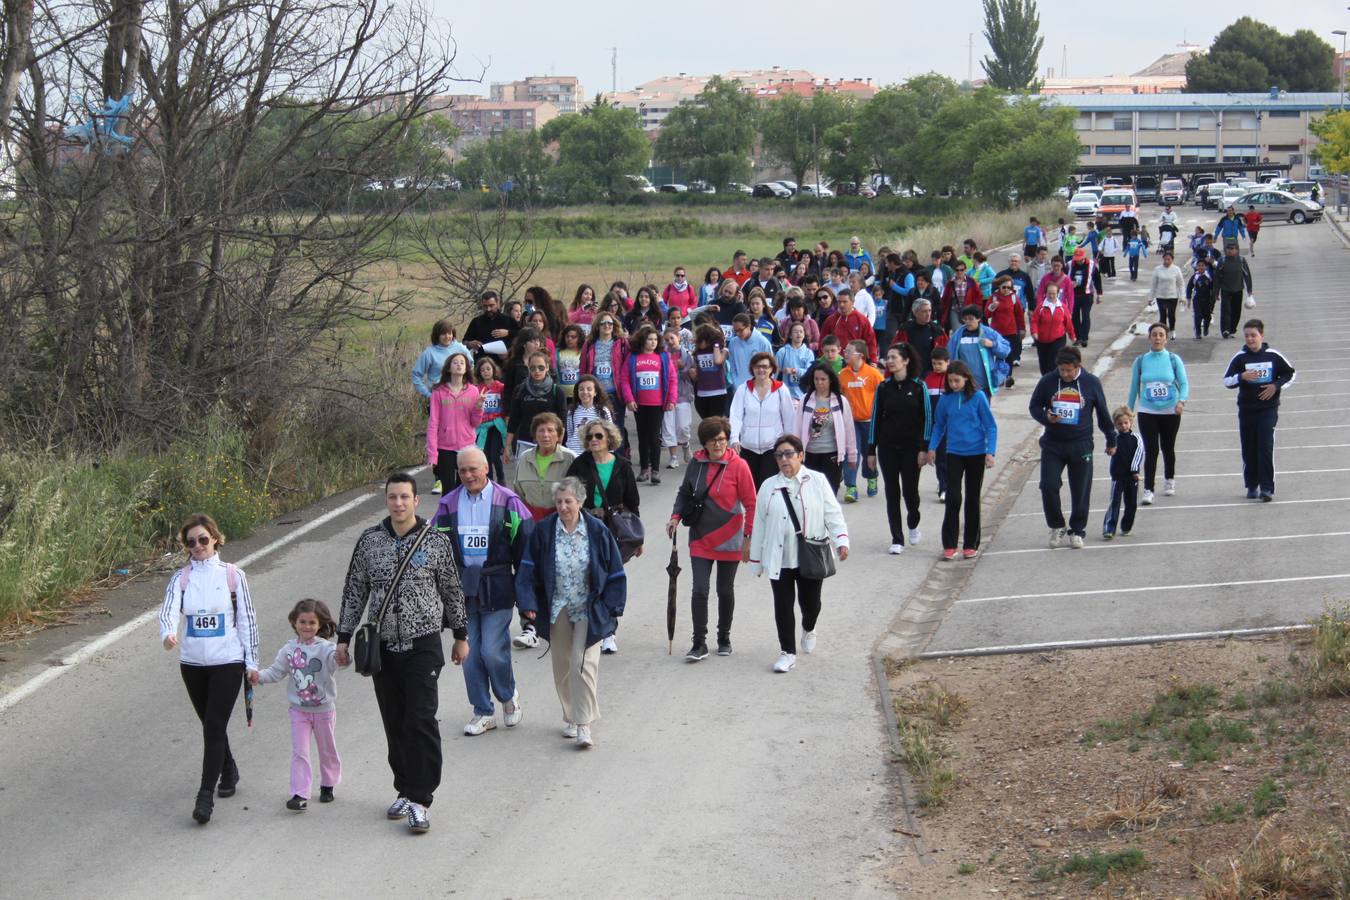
483, 118
563, 91
1162, 129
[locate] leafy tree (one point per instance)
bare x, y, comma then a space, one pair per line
599, 149
1334, 149
792, 130
846, 153
889, 122
1252, 56
517, 157
712, 138
1012, 28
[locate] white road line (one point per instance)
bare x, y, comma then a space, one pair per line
1280, 430
1157, 587
1085, 644
1282, 449
86, 652
1283, 411
1126, 544
1168, 507
1285, 472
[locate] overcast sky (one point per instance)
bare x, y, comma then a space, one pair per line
862, 38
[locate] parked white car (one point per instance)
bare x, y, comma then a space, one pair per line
1083, 205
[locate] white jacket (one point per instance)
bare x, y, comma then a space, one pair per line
756, 423
1168, 282
773, 542
214, 635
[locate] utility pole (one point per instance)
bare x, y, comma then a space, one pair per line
970, 56
613, 70
1342, 66
1064, 62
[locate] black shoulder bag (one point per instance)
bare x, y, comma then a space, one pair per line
693, 510
815, 559
366, 641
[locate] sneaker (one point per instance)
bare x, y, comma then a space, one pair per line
1108, 535
1267, 497
326, 794
418, 820
1147, 498
202, 811
229, 780
511, 711
684, 452
656, 476
942, 496
697, 652
871, 487
897, 549
1124, 532
584, 740
609, 645
1016, 363
645, 475
569, 730
1009, 382
969, 553
297, 803
479, 724
724, 646
436, 487
398, 809
1076, 541
785, 662
915, 536
1173, 336
1169, 487
674, 462
1056, 538
850, 495
808, 642
527, 638
949, 553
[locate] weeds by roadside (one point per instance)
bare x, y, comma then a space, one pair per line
922, 713
1285, 865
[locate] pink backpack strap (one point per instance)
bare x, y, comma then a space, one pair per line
232, 579
183, 574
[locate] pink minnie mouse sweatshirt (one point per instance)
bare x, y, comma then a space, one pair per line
308, 670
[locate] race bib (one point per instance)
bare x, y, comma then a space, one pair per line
1159, 391
604, 370
726, 330
568, 373
648, 381
1264, 370
706, 362
206, 625
492, 402
1066, 411
473, 540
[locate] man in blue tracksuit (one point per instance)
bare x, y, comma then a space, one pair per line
1259, 374
1065, 402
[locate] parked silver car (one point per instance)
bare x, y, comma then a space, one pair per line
1281, 206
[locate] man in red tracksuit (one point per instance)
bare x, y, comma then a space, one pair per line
1006, 315
850, 325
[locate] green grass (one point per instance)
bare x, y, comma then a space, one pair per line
1267, 799
1099, 866
1225, 813
1181, 720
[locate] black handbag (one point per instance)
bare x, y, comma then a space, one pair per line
693, 510
627, 529
815, 559
366, 640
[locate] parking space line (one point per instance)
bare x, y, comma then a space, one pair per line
1125, 544
1286, 473
1089, 643
1157, 587
1282, 449
1283, 411
1174, 507
1280, 430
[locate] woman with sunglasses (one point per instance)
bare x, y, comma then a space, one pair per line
604, 356
824, 306
1008, 316
538, 394
219, 645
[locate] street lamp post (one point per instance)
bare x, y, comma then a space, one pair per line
1342, 33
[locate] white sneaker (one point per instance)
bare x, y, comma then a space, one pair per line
569, 730
897, 549
1076, 541
511, 711
785, 662
526, 638
808, 642
609, 645
479, 724
674, 463
1147, 498
1169, 487
684, 451
915, 536
942, 496
584, 741
1056, 538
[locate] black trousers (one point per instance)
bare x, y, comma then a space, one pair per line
807, 591
405, 690
762, 465
827, 464
1167, 312
1134, 267
712, 406
900, 476
1109, 266
1076, 456
1047, 351
967, 471
648, 420
1124, 498
1082, 315
493, 451
726, 596
213, 691
1256, 433
1159, 432
1202, 311
446, 469
620, 410
1230, 311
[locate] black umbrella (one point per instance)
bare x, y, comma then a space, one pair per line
672, 567
248, 701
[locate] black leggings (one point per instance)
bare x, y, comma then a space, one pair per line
1159, 430
969, 469
1047, 351
446, 469
726, 596
711, 406
493, 451
1167, 312
648, 420
900, 466
807, 590
827, 464
761, 464
213, 691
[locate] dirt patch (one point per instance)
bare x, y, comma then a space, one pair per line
1126, 772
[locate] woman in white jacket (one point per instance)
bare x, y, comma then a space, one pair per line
773, 543
761, 410
1169, 286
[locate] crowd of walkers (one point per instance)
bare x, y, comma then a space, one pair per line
795, 374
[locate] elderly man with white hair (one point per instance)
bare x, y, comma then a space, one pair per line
488, 526
855, 256
922, 334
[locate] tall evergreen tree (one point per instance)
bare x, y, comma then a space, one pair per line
1013, 30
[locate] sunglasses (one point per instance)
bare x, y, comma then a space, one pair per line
784, 454
597, 436
202, 541
538, 368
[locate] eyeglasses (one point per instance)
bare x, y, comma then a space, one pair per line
784, 454
538, 368
202, 541
720, 439
596, 436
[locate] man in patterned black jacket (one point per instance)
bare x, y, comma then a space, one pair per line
429, 598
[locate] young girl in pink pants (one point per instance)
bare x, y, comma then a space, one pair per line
307, 664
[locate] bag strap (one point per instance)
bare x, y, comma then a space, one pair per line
792, 513
712, 484
398, 574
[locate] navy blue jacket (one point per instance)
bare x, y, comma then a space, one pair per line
1272, 367
536, 578
1076, 402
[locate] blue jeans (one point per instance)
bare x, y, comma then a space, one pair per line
860, 431
489, 660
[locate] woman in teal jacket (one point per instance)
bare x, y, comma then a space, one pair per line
1158, 392
966, 421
